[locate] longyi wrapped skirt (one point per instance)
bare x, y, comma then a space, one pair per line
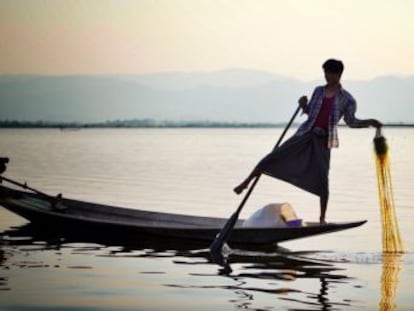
302, 161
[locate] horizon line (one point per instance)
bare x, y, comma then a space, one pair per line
189, 72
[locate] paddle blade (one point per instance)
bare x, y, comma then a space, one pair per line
219, 249
220, 255
223, 235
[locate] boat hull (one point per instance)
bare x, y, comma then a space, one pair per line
84, 218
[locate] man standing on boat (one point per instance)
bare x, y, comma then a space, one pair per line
303, 160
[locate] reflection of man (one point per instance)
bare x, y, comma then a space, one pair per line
303, 160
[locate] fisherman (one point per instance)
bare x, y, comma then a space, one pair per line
303, 160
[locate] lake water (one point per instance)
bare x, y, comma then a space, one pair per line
193, 171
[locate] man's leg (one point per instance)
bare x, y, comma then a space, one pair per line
324, 206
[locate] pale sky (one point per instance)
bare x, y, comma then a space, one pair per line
292, 38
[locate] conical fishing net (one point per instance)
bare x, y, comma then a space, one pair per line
391, 239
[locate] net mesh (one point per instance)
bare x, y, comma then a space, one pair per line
391, 239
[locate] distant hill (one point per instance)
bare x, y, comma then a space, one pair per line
234, 95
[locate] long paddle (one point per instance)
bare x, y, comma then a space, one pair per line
221, 238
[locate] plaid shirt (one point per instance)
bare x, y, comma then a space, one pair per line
344, 106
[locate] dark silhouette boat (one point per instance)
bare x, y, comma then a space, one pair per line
84, 218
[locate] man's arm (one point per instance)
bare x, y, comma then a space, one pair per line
354, 122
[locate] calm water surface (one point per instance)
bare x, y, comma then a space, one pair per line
192, 171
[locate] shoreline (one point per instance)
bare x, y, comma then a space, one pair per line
154, 124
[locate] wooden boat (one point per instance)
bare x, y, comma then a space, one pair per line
90, 218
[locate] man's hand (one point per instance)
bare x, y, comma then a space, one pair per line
303, 102
375, 123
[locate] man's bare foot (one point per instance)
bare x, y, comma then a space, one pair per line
239, 189
322, 221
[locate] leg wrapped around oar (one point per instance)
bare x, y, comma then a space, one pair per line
216, 248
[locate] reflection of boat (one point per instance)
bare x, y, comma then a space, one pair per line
272, 270
84, 218
261, 263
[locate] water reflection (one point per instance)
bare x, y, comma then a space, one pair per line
3, 280
294, 278
389, 279
273, 272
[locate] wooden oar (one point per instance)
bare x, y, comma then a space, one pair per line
221, 238
52, 200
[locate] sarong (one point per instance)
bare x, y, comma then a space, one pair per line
303, 161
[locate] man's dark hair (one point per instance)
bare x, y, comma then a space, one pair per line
333, 65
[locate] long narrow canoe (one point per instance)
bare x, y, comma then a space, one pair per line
84, 217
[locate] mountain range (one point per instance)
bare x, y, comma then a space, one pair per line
232, 95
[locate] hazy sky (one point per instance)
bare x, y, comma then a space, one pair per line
372, 37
